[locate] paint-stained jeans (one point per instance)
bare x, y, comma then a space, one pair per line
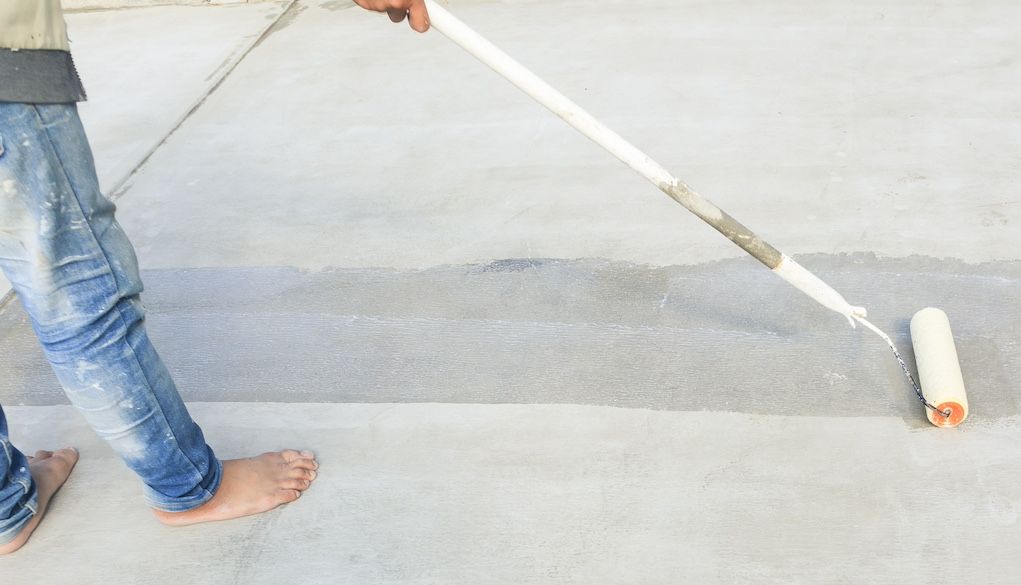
76, 276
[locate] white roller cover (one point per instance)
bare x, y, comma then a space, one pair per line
939, 370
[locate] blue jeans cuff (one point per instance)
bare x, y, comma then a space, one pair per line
200, 495
22, 515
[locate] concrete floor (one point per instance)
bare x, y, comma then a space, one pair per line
143, 77
518, 362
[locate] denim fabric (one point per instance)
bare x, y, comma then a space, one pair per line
17, 491
76, 275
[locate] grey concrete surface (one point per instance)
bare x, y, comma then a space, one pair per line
521, 364
143, 76
424, 493
827, 127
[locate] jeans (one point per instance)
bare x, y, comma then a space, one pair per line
75, 272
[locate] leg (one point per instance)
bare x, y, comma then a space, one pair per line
26, 486
19, 498
76, 274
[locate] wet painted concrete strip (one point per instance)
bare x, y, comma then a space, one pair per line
726, 336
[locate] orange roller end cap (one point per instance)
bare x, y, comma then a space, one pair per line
956, 417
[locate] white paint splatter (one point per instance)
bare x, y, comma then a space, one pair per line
833, 378
82, 369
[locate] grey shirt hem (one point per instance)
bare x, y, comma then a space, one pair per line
39, 77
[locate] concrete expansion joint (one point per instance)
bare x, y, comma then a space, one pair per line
121, 186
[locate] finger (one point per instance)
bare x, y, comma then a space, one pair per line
418, 16
396, 14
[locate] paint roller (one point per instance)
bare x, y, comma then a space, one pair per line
935, 354
939, 370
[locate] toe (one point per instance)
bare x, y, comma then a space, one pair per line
288, 495
290, 455
68, 454
299, 473
296, 484
308, 464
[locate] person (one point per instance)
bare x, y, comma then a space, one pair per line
76, 275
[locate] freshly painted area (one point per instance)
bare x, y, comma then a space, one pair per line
723, 336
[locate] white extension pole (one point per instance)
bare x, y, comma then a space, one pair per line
784, 266
938, 364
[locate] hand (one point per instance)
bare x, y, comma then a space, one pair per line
413, 10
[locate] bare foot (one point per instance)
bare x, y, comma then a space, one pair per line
252, 486
49, 470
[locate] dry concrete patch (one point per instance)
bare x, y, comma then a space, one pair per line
550, 494
779, 113
143, 75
